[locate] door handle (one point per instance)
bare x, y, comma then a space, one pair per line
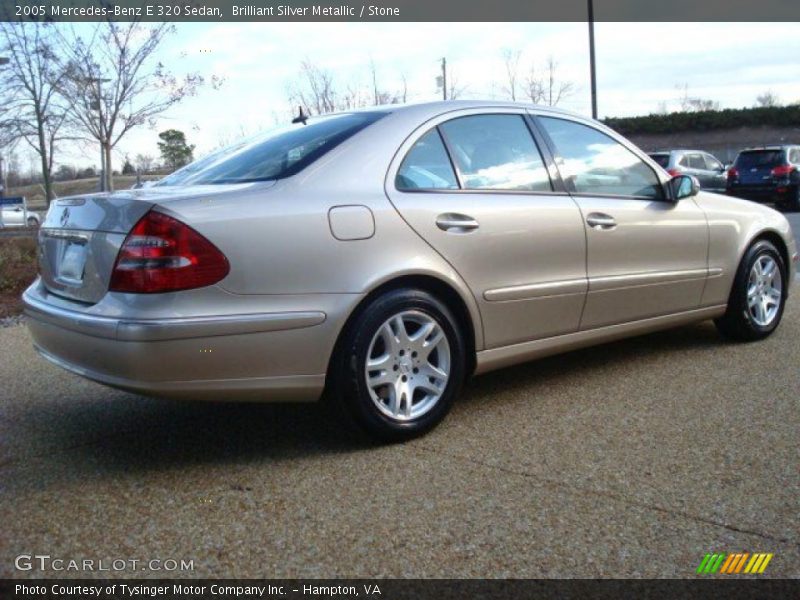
601, 221
456, 223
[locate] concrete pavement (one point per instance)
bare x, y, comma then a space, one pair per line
627, 460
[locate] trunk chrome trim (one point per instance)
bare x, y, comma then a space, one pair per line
65, 234
146, 330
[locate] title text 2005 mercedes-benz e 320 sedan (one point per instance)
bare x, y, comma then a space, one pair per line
387, 254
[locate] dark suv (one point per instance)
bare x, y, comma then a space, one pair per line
769, 174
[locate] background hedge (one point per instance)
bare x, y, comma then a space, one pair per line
729, 118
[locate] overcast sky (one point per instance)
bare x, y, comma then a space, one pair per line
639, 65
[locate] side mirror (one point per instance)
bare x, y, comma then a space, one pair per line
683, 186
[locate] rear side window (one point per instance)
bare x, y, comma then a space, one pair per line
592, 162
496, 152
427, 166
759, 158
276, 154
794, 156
696, 161
661, 159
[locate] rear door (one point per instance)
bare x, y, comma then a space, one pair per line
716, 174
476, 187
647, 256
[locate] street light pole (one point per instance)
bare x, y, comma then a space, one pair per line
444, 78
3, 61
592, 58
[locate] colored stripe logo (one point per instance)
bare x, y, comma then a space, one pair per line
734, 563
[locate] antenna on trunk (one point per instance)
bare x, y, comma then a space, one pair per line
301, 117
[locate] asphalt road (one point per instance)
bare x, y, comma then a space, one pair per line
629, 460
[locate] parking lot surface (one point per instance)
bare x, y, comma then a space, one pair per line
627, 460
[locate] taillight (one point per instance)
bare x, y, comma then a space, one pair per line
733, 173
674, 172
161, 254
783, 170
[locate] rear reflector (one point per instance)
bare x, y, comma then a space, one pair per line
161, 254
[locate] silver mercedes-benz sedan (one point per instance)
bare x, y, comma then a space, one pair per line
383, 256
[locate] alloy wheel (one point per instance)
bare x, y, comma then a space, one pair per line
408, 365
764, 290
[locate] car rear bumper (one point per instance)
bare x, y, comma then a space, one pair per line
270, 356
759, 193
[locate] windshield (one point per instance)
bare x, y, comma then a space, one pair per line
275, 154
661, 159
760, 158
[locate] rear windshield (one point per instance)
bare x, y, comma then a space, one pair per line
661, 159
275, 154
760, 158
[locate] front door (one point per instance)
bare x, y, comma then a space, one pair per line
646, 255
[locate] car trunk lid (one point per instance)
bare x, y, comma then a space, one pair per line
81, 236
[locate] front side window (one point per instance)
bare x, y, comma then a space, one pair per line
426, 166
592, 162
496, 152
276, 154
712, 163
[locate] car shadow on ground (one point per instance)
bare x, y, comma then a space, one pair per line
104, 434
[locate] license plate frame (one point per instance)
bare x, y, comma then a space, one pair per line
72, 266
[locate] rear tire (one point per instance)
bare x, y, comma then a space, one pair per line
758, 297
416, 368
32, 223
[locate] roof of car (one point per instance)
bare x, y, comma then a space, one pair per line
448, 105
767, 148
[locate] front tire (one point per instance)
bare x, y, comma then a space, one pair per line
758, 297
400, 365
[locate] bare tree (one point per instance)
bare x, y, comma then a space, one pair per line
136, 89
29, 84
315, 92
454, 89
693, 103
768, 98
511, 61
533, 87
144, 163
546, 88
556, 91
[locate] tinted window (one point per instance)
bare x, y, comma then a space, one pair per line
696, 161
496, 152
712, 163
593, 163
661, 159
275, 154
426, 166
759, 158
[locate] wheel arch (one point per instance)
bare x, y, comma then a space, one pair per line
442, 290
776, 239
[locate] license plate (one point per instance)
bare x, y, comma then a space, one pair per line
72, 263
